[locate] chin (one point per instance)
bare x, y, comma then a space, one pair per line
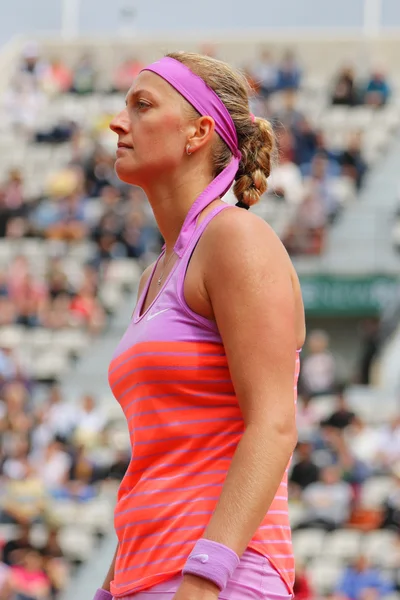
126, 173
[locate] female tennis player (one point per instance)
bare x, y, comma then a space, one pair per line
206, 372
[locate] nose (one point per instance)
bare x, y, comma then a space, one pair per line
120, 123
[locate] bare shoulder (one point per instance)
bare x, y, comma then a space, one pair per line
242, 256
240, 238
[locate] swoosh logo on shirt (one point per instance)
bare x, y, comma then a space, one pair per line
154, 315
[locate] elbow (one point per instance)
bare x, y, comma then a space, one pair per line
282, 430
288, 437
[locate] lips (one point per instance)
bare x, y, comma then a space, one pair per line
123, 145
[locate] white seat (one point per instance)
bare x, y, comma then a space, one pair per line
296, 513
375, 491
377, 546
343, 544
65, 512
11, 336
76, 543
324, 575
38, 535
49, 365
39, 339
8, 532
111, 297
308, 543
96, 516
324, 406
71, 340
127, 272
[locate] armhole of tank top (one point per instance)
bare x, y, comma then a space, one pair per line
183, 268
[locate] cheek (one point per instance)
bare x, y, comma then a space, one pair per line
165, 139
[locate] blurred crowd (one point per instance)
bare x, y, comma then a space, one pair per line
50, 451
338, 455
309, 168
306, 177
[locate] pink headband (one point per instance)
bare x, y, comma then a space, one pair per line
195, 90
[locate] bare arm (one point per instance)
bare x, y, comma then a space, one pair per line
248, 278
110, 574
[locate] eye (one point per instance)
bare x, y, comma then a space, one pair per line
142, 105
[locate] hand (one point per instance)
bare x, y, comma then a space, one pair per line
196, 588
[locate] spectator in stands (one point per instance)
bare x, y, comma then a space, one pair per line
265, 72
308, 417
306, 233
86, 308
321, 183
302, 589
8, 367
29, 580
32, 65
305, 142
90, 424
377, 91
363, 441
362, 581
125, 73
57, 77
391, 507
344, 90
5, 590
57, 281
319, 366
70, 224
53, 466
286, 180
80, 487
342, 416
55, 565
24, 498
388, 453
328, 501
288, 117
305, 471
289, 72
84, 76
133, 236
15, 548
352, 161
370, 336
22, 104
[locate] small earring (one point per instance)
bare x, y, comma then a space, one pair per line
188, 150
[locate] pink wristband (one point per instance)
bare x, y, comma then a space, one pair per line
102, 595
213, 561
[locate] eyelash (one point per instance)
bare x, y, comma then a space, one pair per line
141, 104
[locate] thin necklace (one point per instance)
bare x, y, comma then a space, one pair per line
159, 280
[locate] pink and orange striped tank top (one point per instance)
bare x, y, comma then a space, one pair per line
170, 375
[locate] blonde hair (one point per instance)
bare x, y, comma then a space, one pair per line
256, 139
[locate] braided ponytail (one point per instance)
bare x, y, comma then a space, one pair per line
255, 166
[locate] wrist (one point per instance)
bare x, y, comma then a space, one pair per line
212, 562
102, 594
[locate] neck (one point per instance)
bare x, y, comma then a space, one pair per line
171, 201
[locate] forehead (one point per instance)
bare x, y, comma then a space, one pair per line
154, 85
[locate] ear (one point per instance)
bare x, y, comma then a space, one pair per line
201, 133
